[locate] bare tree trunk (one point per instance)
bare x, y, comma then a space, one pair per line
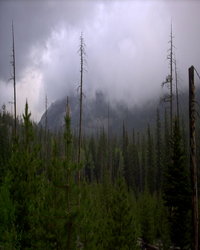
68, 158
177, 95
82, 52
14, 81
45, 126
45, 133
193, 164
108, 143
171, 81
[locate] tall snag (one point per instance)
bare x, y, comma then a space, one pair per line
46, 133
169, 82
193, 164
82, 60
177, 94
170, 57
13, 77
68, 162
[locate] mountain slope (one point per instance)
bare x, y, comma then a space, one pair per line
96, 112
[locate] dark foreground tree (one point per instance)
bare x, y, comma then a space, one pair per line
177, 192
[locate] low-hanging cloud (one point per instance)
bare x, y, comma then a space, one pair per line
126, 48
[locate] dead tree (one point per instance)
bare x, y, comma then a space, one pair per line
177, 94
82, 60
46, 120
193, 164
108, 141
169, 81
45, 132
68, 144
13, 77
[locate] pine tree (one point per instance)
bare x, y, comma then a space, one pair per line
150, 162
118, 162
101, 164
147, 212
62, 197
121, 226
143, 163
5, 144
28, 129
8, 232
126, 171
177, 192
159, 169
24, 166
68, 165
134, 166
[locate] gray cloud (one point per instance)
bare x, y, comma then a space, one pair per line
34, 21
126, 45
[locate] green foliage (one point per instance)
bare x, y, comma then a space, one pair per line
28, 130
5, 142
134, 172
101, 162
152, 218
159, 154
177, 192
146, 206
8, 234
118, 201
150, 162
106, 216
121, 224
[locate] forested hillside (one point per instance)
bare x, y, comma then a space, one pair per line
133, 189
99, 113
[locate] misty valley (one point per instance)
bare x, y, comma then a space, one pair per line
112, 162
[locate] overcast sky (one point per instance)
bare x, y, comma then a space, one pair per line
126, 46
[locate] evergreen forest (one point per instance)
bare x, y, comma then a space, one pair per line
128, 191
102, 191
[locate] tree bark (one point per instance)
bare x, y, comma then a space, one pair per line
193, 164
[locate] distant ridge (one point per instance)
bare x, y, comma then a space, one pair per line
95, 114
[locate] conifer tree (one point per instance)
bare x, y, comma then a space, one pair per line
62, 198
5, 145
143, 164
89, 164
101, 164
126, 170
118, 162
158, 153
67, 171
121, 225
150, 162
8, 232
177, 191
24, 165
91, 159
28, 131
146, 208
134, 166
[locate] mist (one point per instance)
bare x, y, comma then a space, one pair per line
126, 44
